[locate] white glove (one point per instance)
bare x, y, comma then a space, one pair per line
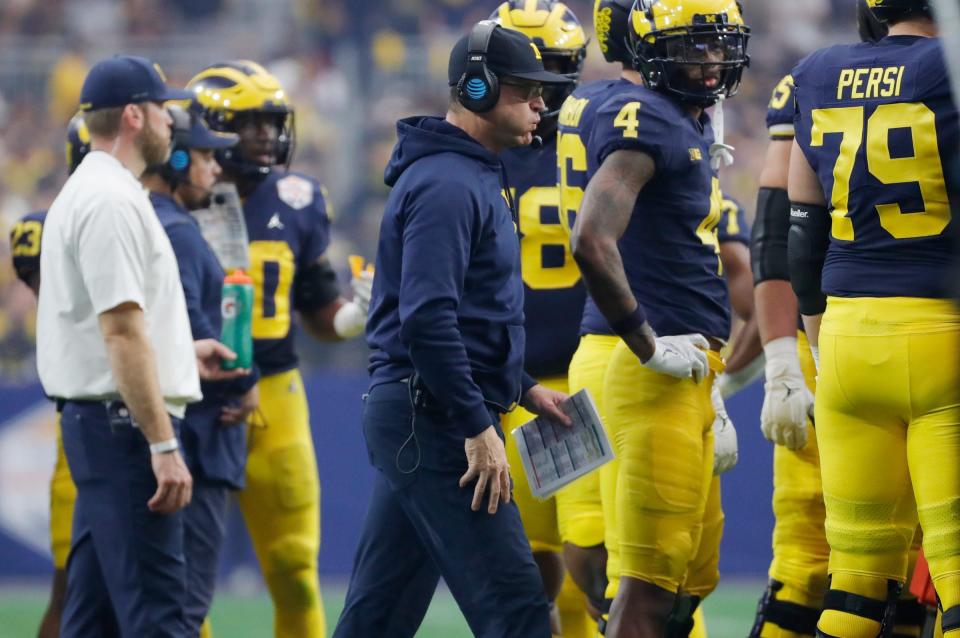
724, 435
681, 356
362, 286
350, 320
787, 401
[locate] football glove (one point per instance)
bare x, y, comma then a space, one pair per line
724, 435
682, 356
362, 285
787, 401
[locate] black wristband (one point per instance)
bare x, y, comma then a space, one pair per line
626, 325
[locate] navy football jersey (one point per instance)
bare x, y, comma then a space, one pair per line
877, 123
780, 111
733, 222
288, 228
577, 120
574, 168
553, 292
25, 244
670, 248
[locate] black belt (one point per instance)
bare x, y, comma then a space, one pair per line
117, 412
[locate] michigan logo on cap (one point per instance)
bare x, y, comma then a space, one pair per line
536, 51
160, 72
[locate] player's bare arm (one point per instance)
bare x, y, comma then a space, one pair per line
746, 346
607, 206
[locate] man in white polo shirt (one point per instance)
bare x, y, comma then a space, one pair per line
114, 346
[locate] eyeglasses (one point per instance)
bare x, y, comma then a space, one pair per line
529, 90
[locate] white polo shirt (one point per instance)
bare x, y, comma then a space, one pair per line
102, 245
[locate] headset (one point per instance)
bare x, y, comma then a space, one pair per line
479, 88
176, 169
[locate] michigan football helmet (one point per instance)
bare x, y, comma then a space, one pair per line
887, 10
78, 142
611, 19
558, 35
693, 49
229, 94
870, 27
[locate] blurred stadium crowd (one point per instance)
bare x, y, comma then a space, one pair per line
352, 68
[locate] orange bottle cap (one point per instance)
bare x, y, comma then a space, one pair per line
238, 277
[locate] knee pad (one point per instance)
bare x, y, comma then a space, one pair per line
292, 571
941, 530
786, 615
680, 620
881, 611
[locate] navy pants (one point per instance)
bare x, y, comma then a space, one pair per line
126, 574
420, 526
204, 522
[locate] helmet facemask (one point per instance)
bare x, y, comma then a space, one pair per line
698, 64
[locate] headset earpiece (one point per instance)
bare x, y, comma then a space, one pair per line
478, 88
177, 167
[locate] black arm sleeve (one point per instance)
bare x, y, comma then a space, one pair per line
314, 286
768, 239
807, 244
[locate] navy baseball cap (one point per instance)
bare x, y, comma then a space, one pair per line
126, 79
510, 53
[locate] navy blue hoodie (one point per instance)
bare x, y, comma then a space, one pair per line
447, 296
213, 452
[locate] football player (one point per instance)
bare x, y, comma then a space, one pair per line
870, 242
646, 242
553, 301
798, 573
791, 604
25, 249
744, 363
287, 219
589, 564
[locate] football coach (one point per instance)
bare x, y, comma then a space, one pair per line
114, 348
447, 340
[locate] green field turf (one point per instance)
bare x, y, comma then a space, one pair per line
729, 613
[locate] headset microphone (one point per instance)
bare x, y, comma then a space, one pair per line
536, 142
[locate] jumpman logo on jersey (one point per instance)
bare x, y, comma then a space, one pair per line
275, 222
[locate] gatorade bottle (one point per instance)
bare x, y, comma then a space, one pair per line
236, 308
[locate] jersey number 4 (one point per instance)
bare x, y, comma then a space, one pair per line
923, 168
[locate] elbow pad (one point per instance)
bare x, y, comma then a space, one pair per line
768, 239
314, 286
807, 244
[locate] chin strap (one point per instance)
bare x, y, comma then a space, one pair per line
721, 155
